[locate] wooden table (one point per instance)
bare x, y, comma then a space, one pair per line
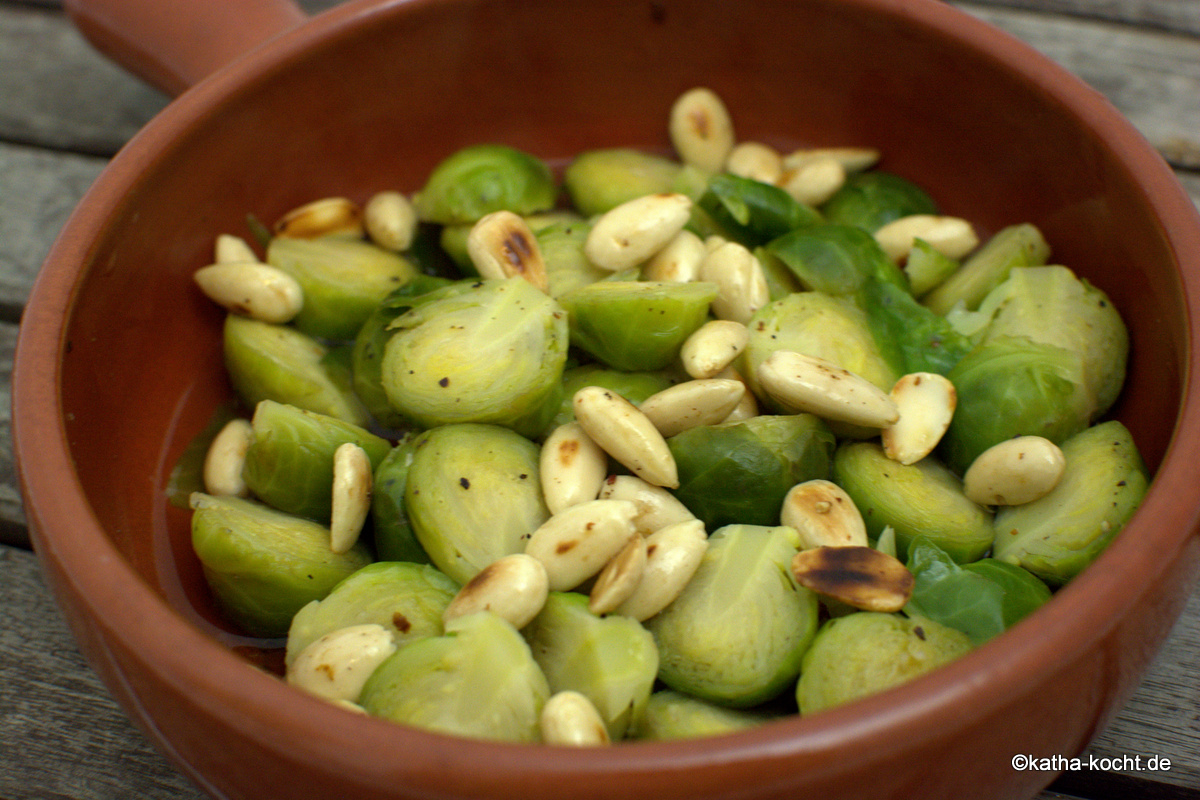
64, 111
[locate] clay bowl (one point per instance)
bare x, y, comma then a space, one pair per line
119, 362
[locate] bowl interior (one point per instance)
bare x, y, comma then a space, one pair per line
372, 97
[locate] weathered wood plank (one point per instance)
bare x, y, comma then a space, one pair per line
1181, 16
12, 517
53, 710
1151, 77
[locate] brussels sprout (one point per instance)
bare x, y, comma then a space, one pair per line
453, 241
674, 715
567, 268
633, 386
926, 267
752, 212
480, 179
395, 539
637, 325
492, 353
600, 180
736, 634
835, 259
610, 660
479, 680
870, 200
866, 652
982, 599
921, 499
367, 354
406, 599
912, 337
741, 471
290, 462
473, 495
815, 324
1052, 306
1015, 246
1012, 386
343, 280
263, 565
1058, 535
278, 362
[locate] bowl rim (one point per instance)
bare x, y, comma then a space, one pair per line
90, 567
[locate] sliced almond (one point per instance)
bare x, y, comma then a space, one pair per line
626, 434
808, 383
824, 515
862, 577
926, 403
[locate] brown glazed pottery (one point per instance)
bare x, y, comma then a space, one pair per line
119, 361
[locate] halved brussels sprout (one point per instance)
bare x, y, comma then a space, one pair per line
741, 471
921, 499
1058, 535
277, 362
289, 464
637, 325
483, 178
478, 680
611, 660
866, 652
870, 200
343, 280
1012, 386
926, 267
752, 212
395, 539
473, 495
835, 259
567, 267
736, 634
674, 715
1015, 246
815, 324
633, 386
491, 353
600, 180
406, 599
263, 565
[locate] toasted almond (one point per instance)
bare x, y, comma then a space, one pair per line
620, 577
352, 478
852, 159
225, 459
926, 403
330, 216
701, 129
712, 347
634, 231
741, 283
673, 555
951, 236
808, 383
656, 507
254, 290
390, 220
626, 434
678, 261
1015, 471
514, 587
570, 719
747, 407
337, 665
706, 401
814, 181
755, 160
572, 467
501, 245
576, 543
230, 249
824, 515
859, 576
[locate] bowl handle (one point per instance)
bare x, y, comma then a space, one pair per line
174, 45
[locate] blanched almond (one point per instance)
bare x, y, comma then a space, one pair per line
572, 467
673, 555
656, 507
620, 577
501, 245
741, 283
329, 216
951, 236
626, 434
926, 403
255, 290
808, 383
635, 230
1015, 471
706, 401
824, 515
570, 719
390, 220
701, 129
712, 347
576, 543
513, 587
352, 483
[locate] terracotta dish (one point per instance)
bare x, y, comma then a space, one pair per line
119, 361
